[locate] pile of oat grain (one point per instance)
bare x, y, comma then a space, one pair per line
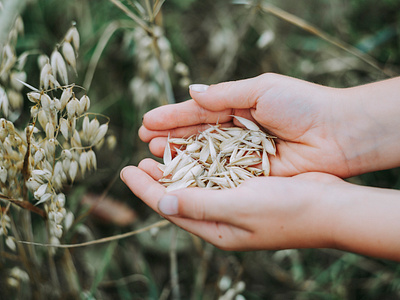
218, 157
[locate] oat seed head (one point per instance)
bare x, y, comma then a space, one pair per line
69, 54
56, 148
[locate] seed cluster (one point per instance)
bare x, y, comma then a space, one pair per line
64, 147
11, 71
155, 63
5, 224
218, 157
148, 85
55, 67
57, 146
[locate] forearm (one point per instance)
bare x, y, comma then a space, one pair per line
364, 220
370, 126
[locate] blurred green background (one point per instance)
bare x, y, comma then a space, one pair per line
203, 41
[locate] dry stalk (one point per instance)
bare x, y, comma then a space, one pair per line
173, 257
158, 224
218, 157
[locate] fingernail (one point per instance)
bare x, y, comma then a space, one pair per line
168, 205
198, 87
121, 174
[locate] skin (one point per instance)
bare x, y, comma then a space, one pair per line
325, 134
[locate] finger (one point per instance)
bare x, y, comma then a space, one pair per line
183, 114
143, 185
158, 139
147, 134
227, 95
150, 166
150, 191
204, 205
157, 146
319, 177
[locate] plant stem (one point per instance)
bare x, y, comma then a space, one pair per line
202, 272
26, 224
70, 274
51, 264
160, 224
174, 264
29, 267
131, 15
101, 45
149, 11
169, 93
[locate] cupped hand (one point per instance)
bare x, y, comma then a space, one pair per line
304, 117
262, 213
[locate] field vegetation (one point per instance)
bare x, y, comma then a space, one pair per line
135, 55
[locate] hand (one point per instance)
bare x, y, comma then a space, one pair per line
301, 114
343, 132
310, 210
262, 213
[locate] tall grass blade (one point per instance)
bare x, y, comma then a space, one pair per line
107, 260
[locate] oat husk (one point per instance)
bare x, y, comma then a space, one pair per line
218, 158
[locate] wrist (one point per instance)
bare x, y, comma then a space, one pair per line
367, 127
365, 220
314, 226
324, 215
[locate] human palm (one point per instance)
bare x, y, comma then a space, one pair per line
301, 117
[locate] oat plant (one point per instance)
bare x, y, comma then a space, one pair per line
52, 151
153, 53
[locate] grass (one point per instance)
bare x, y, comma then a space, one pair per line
217, 40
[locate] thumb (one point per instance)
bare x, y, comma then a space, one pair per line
199, 204
241, 94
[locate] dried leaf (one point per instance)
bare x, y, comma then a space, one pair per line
26, 205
